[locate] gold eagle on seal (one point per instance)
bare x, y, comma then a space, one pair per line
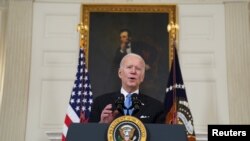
127, 133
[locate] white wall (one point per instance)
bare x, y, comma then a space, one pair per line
203, 61
17, 41
53, 65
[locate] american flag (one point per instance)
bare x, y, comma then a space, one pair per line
81, 97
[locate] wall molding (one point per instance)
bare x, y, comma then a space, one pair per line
17, 44
237, 48
144, 2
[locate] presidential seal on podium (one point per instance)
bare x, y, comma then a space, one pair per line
127, 128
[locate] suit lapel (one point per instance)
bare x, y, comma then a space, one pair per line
142, 108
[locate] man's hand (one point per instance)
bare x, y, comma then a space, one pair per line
107, 115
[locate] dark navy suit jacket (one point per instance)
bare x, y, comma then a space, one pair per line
151, 110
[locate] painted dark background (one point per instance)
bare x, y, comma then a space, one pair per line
104, 39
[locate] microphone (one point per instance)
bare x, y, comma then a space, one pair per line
119, 103
136, 103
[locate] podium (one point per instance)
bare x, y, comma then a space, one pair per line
98, 132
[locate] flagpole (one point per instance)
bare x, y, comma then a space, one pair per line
176, 91
172, 28
82, 29
174, 88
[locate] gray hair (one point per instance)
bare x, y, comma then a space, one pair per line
135, 55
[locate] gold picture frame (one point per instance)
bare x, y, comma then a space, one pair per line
99, 29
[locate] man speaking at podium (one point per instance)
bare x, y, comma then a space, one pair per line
129, 100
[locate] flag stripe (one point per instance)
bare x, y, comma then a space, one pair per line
63, 138
72, 115
67, 120
65, 130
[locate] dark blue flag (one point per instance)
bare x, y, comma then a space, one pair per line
176, 102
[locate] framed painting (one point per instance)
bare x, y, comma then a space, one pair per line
147, 27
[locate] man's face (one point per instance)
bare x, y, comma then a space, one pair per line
131, 73
124, 37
